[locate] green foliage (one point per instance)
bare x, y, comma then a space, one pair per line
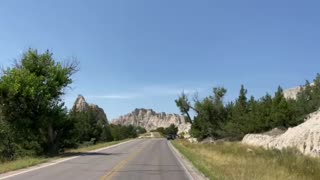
161, 130
184, 105
90, 126
214, 118
33, 118
171, 130
8, 148
280, 112
141, 130
30, 97
120, 132
308, 100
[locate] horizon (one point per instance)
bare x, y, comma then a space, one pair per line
143, 54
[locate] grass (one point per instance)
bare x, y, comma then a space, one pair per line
148, 135
31, 161
22, 163
241, 162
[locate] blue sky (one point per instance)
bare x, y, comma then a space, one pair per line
142, 53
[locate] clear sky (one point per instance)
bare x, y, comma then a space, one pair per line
142, 53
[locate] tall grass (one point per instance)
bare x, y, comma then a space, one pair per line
241, 162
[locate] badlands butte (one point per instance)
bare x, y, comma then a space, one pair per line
151, 120
146, 118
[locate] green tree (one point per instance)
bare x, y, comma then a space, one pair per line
238, 124
280, 113
8, 148
211, 115
120, 132
264, 112
184, 105
161, 130
30, 97
171, 130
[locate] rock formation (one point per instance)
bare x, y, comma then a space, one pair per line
151, 120
81, 105
305, 137
293, 92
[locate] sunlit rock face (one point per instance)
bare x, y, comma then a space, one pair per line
81, 105
151, 120
293, 92
304, 137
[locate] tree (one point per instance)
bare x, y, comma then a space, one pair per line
120, 132
8, 148
30, 97
315, 94
253, 119
264, 112
238, 124
308, 99
161, 130
211, 115
280, 113
184, 105
171, 130
90, 125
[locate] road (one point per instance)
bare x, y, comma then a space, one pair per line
140, 159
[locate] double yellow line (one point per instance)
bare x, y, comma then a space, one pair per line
121, 164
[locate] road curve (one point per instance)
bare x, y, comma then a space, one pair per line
140, 159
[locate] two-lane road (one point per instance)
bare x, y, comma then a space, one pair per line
140, 159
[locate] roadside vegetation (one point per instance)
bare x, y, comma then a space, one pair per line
171, 130
34, 122
229, 122
231, 160
232, 120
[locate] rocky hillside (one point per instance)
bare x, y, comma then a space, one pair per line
291, 93
81, 105
151, 120
305, 137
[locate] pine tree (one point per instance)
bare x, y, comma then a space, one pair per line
280, 110
264, 112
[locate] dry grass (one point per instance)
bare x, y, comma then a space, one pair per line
240, 162
22, 163
31, 161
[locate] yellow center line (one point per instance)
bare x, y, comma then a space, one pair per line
121, 164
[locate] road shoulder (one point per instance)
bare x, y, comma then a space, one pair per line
192, 172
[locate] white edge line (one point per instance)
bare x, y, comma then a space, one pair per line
59, 161
174, 151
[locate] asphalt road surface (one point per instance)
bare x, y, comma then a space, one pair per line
140, 159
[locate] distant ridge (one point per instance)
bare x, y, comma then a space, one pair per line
151, 120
